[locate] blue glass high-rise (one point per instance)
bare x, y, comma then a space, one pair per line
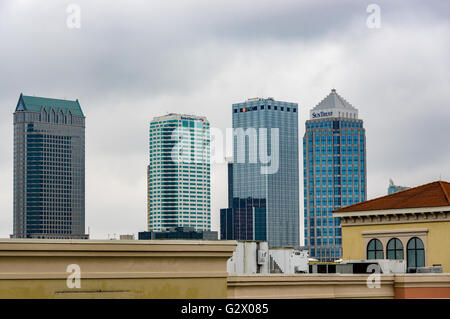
265, 206
334, 171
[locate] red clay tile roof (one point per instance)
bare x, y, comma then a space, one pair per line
434, 194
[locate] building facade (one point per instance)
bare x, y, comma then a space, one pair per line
334, 171
412, 225
226, 214
265, 183
179, 191
395, 188
179, 233
49, 169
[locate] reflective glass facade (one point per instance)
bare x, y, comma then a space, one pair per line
334, 170
264, 206
49, 168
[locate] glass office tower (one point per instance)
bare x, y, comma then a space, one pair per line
265, 193
395, 188
334, 170
179, 193
49, 169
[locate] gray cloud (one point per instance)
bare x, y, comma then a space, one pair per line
133, 60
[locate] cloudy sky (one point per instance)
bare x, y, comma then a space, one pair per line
133, 60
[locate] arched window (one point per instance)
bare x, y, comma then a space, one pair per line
394, 249
69, 117
60, 117
374, 249
415, 253
52, 116
44, 117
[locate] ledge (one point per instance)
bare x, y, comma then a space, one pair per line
110, 248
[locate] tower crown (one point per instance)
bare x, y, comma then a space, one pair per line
334, 105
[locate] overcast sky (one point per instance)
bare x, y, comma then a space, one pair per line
133, 60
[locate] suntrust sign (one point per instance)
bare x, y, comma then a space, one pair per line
321, 114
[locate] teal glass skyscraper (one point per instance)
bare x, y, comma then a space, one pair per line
179, 191
334, 171
49, 169
265, 193
395, 188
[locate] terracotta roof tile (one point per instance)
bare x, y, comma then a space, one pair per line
433, 194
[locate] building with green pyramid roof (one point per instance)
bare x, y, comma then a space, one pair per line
49, 169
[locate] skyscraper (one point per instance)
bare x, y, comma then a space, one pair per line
395, 188
334, 170
265, 199
226, 214
49, 169
179, 193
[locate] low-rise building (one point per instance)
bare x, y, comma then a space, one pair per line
413, 225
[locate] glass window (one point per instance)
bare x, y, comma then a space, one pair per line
394, 249
374, 249
415, 253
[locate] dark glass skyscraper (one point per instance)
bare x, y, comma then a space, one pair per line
334, 170
49, 169
265, 192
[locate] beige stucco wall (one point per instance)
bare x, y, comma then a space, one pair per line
338, 286
308, 286
435, 235
177, 269
115, 269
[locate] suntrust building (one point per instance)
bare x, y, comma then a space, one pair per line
334, 171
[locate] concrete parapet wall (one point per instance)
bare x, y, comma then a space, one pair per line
399, 286
308, 286
114, 269
177, 269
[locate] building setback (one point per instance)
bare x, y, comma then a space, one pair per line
179, 193
265, 194
49, 169
334, 171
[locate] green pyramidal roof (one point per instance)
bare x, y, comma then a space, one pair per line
35, 104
